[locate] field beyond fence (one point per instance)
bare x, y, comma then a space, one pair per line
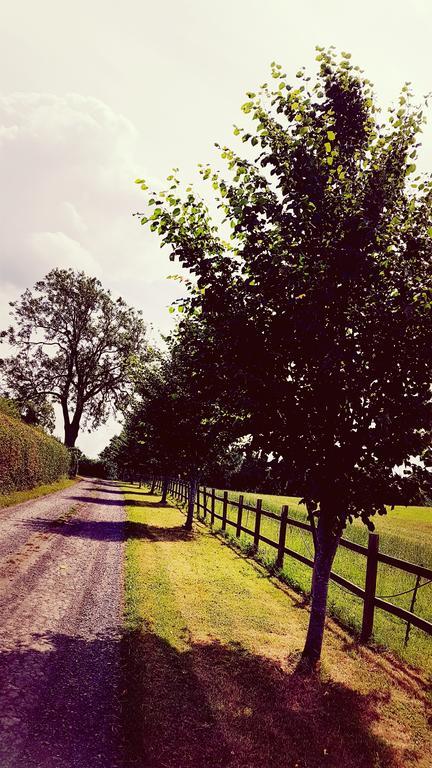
382, 598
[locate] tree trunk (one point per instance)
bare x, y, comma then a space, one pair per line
152, 489
193, 484
71, 428
326, 545
71, 434
73, 466
165, 483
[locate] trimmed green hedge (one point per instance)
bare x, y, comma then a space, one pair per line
28, 456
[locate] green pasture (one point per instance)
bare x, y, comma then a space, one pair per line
405, 532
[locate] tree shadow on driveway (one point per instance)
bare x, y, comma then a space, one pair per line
107, 502
119, 493
106, 530
135, 701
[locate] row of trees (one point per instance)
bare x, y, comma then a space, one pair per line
307, 325
306, 331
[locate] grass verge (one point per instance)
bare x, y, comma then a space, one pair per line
212, 652
18, 497
405, 533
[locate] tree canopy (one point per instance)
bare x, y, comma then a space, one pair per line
179, 423
316, 281
75, 346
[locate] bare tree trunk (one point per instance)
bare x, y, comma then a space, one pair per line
165, 483
71, 428
71, 434
193, 484
152, 489
326, 545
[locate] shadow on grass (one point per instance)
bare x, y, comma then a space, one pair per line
137, 702
157, 533
221, 706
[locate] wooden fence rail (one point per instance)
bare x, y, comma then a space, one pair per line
179, 490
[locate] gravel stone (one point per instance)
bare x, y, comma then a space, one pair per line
61, 587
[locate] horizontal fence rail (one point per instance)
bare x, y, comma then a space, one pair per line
205, 506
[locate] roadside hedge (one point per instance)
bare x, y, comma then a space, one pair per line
28, 456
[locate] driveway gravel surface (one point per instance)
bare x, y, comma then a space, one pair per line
61, 586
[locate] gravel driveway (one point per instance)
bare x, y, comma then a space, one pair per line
61, 585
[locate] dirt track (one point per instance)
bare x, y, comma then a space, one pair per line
60, 630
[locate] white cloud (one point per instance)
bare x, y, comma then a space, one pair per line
67, 197
68, 165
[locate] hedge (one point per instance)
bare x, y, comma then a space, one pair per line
28, 456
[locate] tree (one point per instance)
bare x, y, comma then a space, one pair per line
179, 420
321, 294
35, 413
75, 346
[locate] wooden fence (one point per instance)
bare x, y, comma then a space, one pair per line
205, 504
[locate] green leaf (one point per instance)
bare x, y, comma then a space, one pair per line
331, 135
246, 108
171, 310
411, 168
429, 231
327, 147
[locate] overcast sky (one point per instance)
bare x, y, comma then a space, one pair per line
98, 92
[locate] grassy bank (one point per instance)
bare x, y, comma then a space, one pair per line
212, 653
17, 497
406, 532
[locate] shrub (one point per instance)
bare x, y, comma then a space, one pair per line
28, 456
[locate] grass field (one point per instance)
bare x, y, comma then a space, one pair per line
212, 649
406, 533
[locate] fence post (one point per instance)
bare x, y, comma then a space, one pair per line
198, 501
239, 515
370, 588
224, 510
282, 537
413, 601
204, 502
212, 518
257, 524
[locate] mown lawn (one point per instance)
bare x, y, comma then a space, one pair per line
405, 532
212, 646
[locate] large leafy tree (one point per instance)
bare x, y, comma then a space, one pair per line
320, 293
75, 346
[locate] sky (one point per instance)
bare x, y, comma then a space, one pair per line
96, 93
